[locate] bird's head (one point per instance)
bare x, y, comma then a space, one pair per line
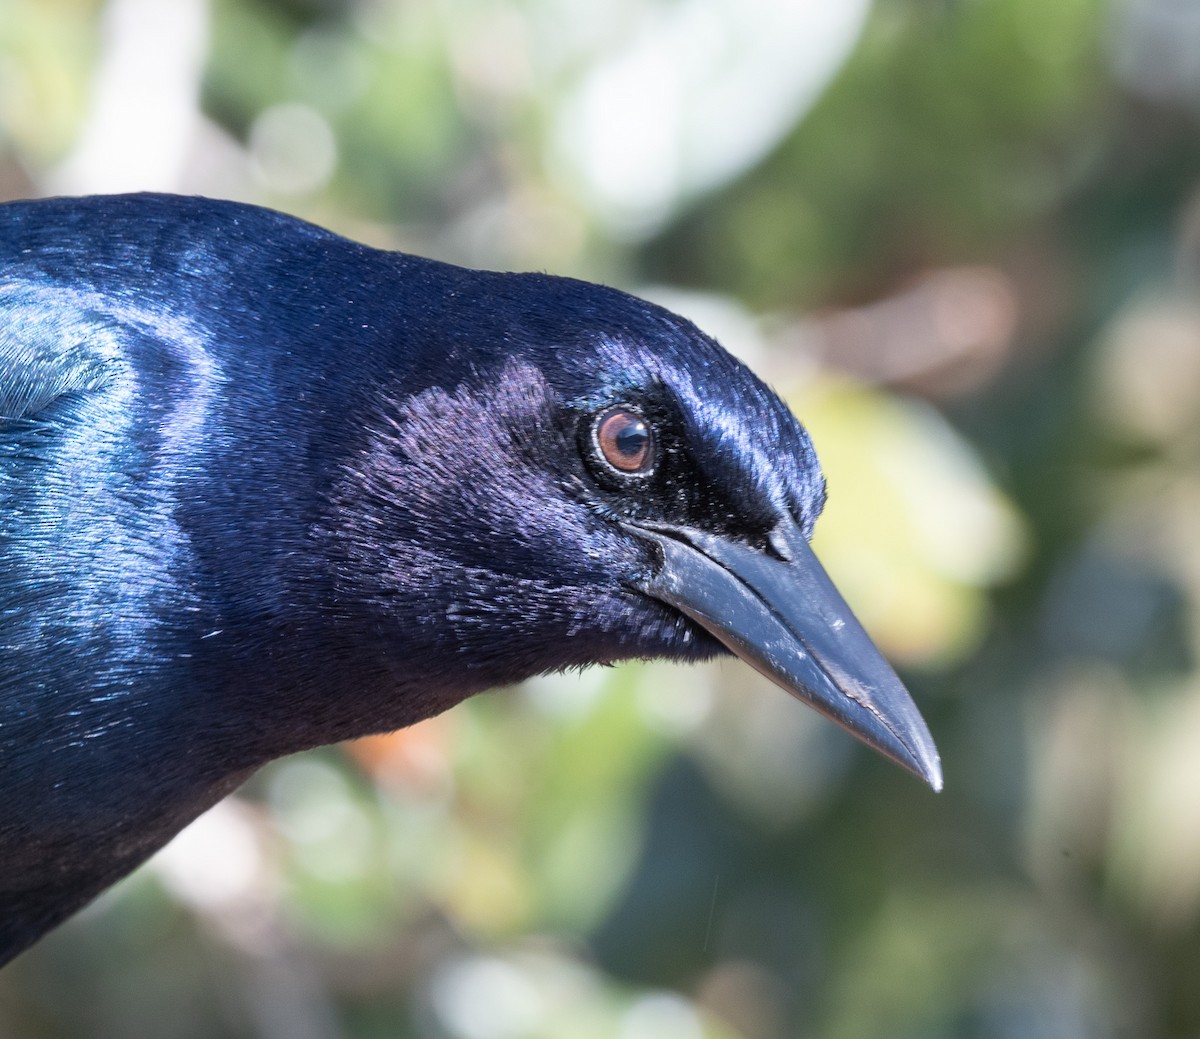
572, 475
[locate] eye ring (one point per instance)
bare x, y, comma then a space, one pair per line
625, 441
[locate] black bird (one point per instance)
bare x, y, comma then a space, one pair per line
263, 488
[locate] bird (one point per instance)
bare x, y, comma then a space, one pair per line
263, 488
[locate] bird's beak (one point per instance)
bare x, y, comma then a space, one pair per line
784, 617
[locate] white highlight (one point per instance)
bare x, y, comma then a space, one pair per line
700, 91
145, 115
216, 860
486, 998
292, 149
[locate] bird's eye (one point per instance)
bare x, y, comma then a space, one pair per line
625, 440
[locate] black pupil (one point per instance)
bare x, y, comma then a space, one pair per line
632, 437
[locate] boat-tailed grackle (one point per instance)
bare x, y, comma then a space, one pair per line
263, 488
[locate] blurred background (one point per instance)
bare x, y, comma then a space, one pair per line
962, 237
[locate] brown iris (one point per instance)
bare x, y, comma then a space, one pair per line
625, 440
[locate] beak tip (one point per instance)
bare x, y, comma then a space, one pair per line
933, 775
925, 764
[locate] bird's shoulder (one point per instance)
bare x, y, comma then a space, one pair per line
53, 347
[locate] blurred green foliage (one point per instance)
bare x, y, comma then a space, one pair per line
952, 127
970, 263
